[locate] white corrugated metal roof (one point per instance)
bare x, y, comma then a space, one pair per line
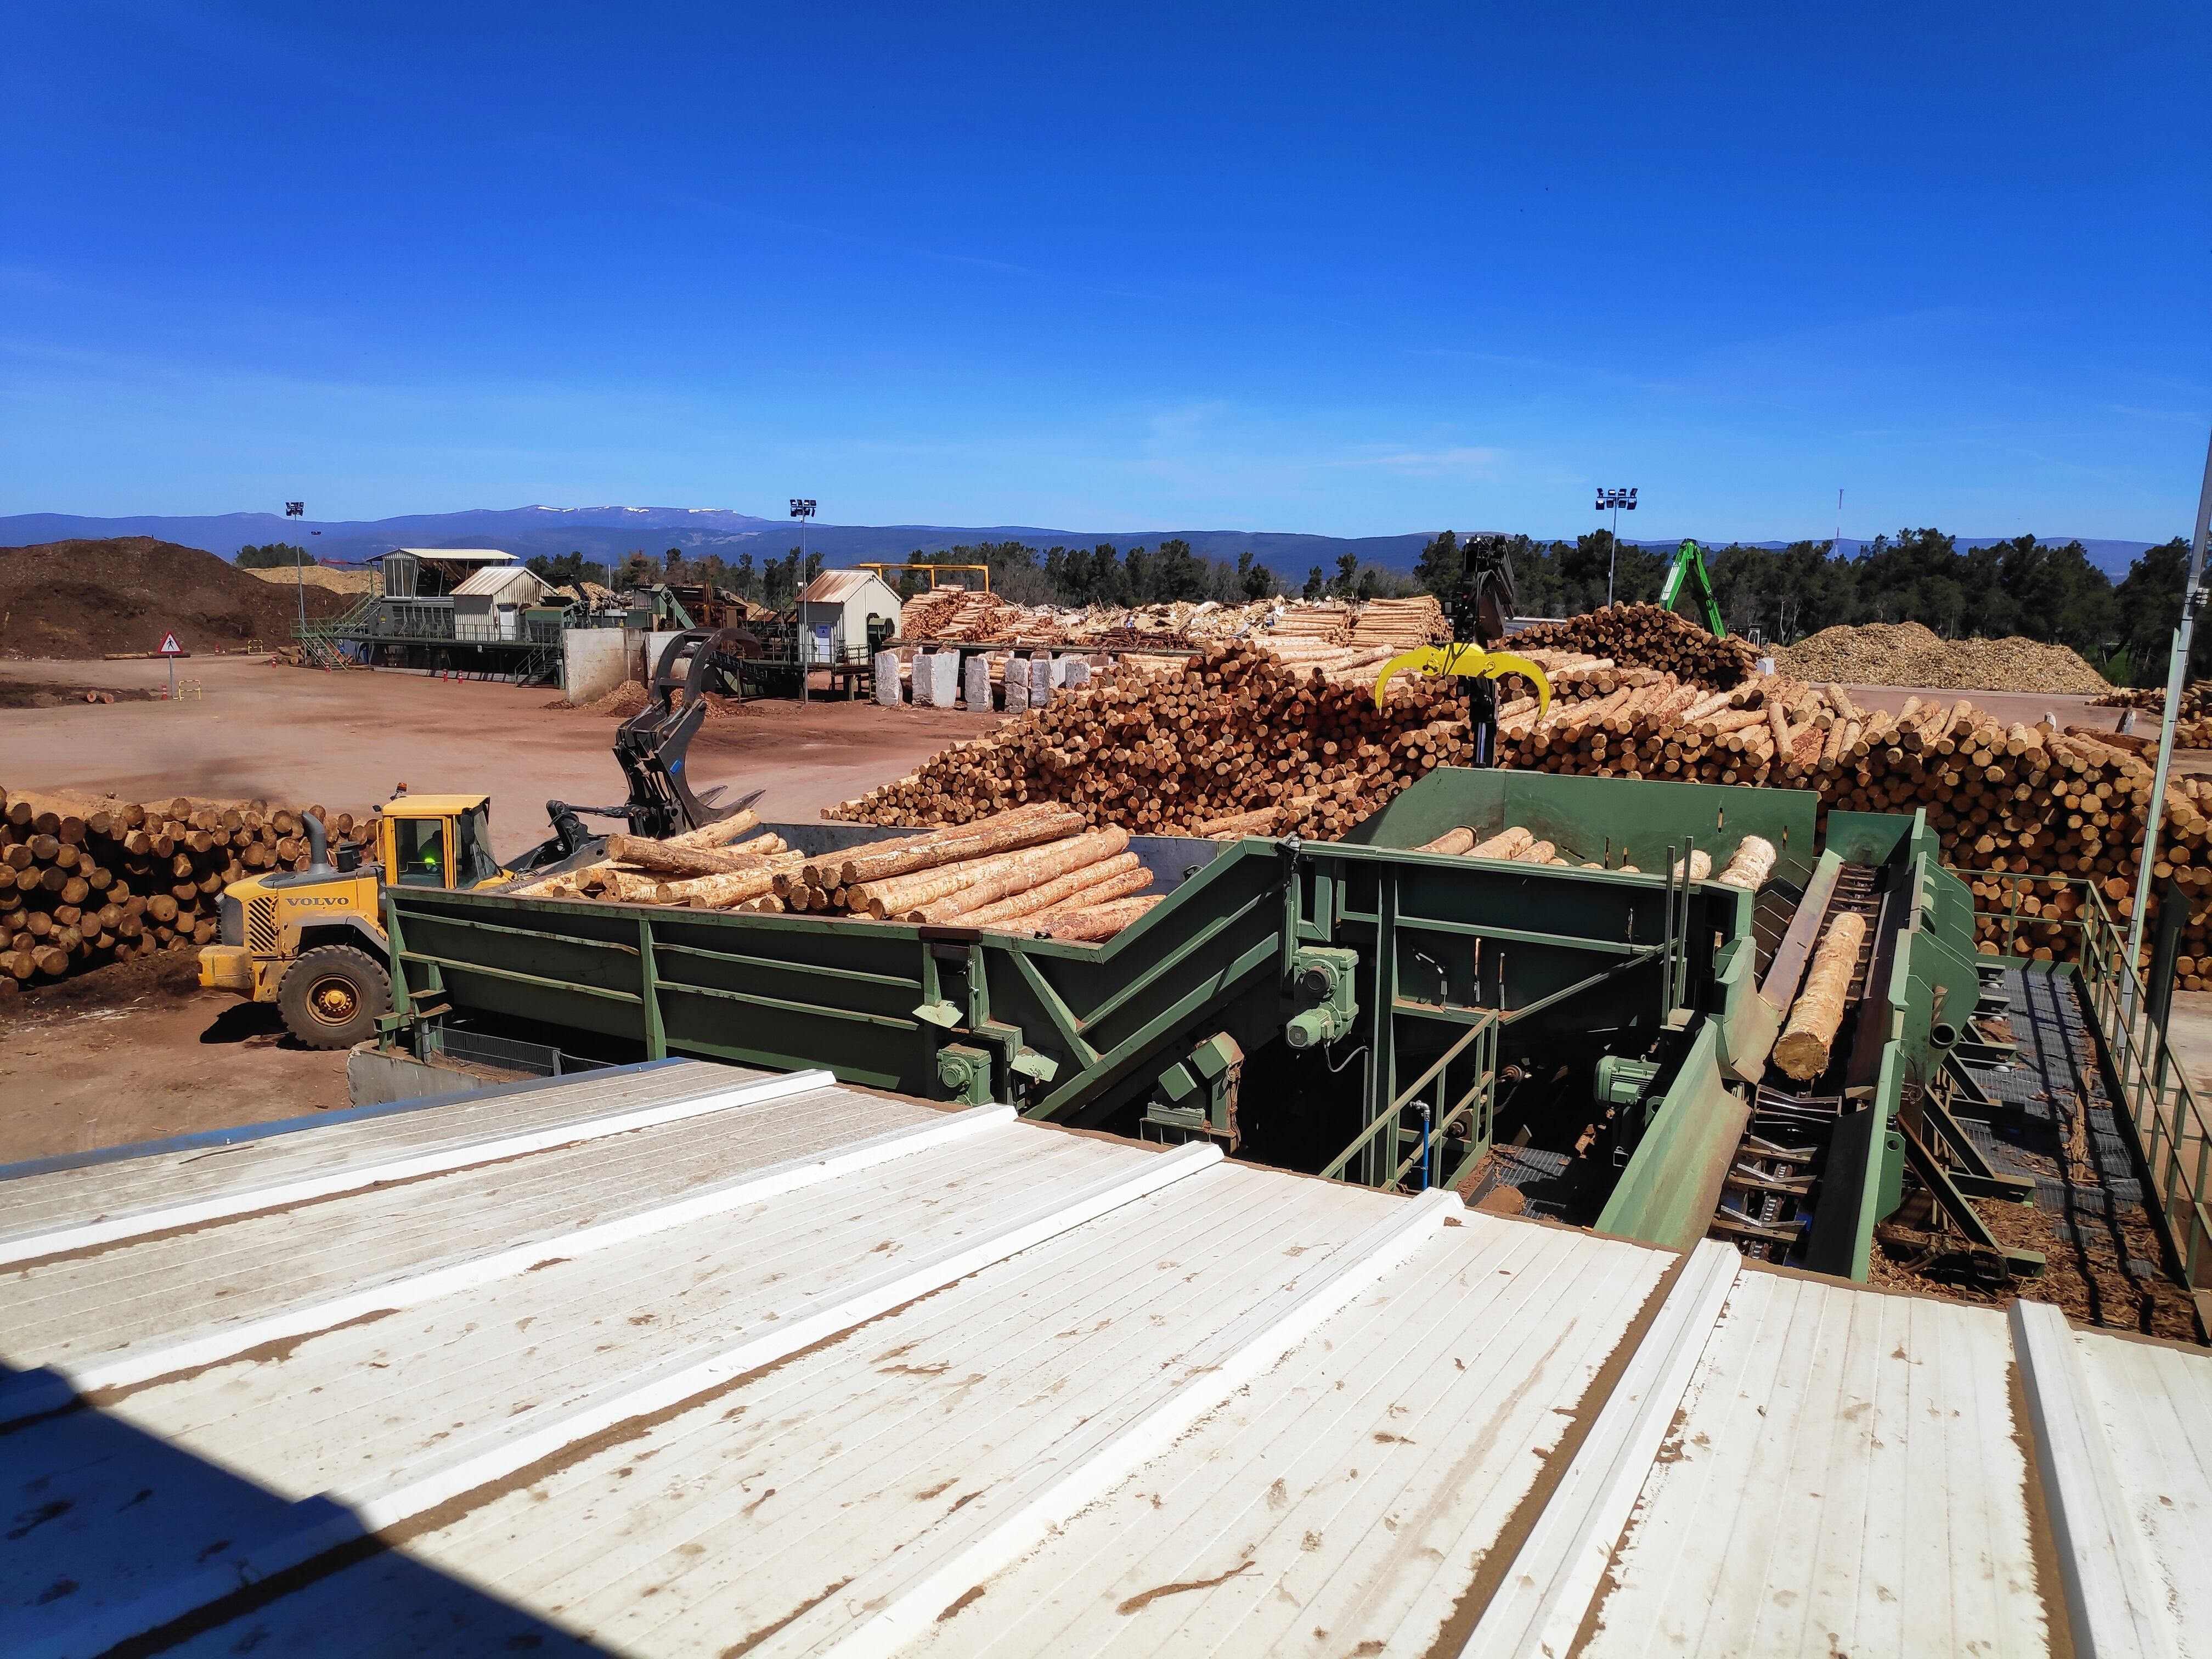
497, 578
452, 555
835, 587
692, 1360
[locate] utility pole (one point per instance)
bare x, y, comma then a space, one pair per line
2192, 598
1616, 500
802, 511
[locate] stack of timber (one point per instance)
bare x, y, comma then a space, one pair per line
1236, 743
957, 615
1036, 870
77, 889
1189, 747
1328, 621
1400, 624
1645, 636
2192, 729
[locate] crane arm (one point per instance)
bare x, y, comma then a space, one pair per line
1689, 564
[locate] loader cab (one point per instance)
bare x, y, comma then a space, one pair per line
437, 840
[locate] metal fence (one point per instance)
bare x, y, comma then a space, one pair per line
2163, 1111
2029, 901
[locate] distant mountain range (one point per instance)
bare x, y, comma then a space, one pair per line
609, 532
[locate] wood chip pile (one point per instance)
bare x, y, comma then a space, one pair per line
1906, 654
1036, 870
1644, 636
77, 891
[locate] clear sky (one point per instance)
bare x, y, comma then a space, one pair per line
1355, 270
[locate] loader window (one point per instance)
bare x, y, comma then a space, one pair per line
420, 848
472, 859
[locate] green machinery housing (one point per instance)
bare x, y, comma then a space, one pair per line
1360, 1009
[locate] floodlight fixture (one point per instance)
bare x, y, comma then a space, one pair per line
1614, 502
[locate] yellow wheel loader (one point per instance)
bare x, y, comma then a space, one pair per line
312, 942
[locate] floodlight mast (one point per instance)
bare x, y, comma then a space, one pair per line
2192, 600
802, 510
295, 510
1615, 500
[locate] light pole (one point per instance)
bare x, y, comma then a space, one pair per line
299, 510
2192, 599
1615, 500
802, 511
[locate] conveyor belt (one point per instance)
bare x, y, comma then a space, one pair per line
1767, 1199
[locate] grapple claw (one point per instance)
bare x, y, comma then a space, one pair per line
1467, 662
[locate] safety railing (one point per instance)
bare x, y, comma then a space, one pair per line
2024, 902
2164, 1112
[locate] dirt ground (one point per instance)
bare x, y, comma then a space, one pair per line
136, 1050
240, 729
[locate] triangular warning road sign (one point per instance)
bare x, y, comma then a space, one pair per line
169, 647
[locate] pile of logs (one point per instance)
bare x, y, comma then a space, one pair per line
1036, 870
78, 892
1646, 636
1202, 747
1234, 743
2193, 729
1750, 866
1400, 624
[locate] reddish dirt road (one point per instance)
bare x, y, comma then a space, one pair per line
241, 729
136, 1051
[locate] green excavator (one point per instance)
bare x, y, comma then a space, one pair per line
1689, 565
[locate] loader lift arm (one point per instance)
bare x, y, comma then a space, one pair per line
651, 744
1689, 564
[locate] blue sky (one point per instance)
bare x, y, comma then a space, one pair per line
1354, 271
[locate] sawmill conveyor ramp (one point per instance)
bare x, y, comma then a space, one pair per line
1362, 1010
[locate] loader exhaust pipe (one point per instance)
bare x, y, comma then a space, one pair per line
319, 845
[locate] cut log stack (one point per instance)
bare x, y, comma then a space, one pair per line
1649, 637
1235, 744
1035, 870
78, 890
1185, 749
1400, 624
2193, 729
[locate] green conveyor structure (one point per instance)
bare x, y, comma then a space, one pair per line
1361, 1009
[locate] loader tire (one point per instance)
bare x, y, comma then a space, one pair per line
332, 996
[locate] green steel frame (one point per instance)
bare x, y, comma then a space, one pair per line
1448, 958
1451, 953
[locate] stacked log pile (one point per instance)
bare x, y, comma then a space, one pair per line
1182, 748
957, 615
1400, 624
1035, 870
2193, 729
1234, 743
77, 891
1645, 636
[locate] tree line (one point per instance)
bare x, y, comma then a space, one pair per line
270, 556
2043, 591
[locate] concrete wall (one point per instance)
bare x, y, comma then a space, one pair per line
595, 660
